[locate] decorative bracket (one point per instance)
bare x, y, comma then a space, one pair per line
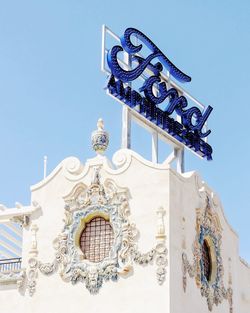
20, 214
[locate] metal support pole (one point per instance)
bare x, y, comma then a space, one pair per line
103, 47
126, 127
126, 116
180, 160
45, 166
154, 147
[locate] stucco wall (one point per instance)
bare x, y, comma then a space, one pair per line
185, 199
139, 292
150, 186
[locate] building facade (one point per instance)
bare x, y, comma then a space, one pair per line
125, 235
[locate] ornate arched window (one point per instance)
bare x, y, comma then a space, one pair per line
206, 260
96, 239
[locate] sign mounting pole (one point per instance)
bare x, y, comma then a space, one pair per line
126, 116
154, 147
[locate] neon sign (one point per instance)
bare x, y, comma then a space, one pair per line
189, 130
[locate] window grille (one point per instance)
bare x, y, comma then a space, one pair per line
206, 259
96, 239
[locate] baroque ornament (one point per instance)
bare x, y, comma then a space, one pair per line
208, 228
32, 275
110, 202
100, 138
33, 263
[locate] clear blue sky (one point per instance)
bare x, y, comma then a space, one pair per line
51, 87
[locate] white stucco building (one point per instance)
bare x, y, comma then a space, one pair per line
126, 235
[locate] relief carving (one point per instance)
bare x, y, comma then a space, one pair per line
207, 226
106, 200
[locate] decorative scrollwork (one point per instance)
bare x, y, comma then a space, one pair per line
161, 262
48, 268
73, 166
32, 275
214, 291
83, 204
96, 199
144, 258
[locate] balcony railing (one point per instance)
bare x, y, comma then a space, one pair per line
10, 265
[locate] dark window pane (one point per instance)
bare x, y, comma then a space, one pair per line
206, 259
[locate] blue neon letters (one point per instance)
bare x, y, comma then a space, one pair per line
189, 131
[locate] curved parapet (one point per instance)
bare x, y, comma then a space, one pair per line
204, 190
73, 170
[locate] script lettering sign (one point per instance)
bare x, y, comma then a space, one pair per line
189, 130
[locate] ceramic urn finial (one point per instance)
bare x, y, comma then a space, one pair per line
100, 138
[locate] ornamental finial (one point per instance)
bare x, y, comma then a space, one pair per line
100, 138
100, 124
